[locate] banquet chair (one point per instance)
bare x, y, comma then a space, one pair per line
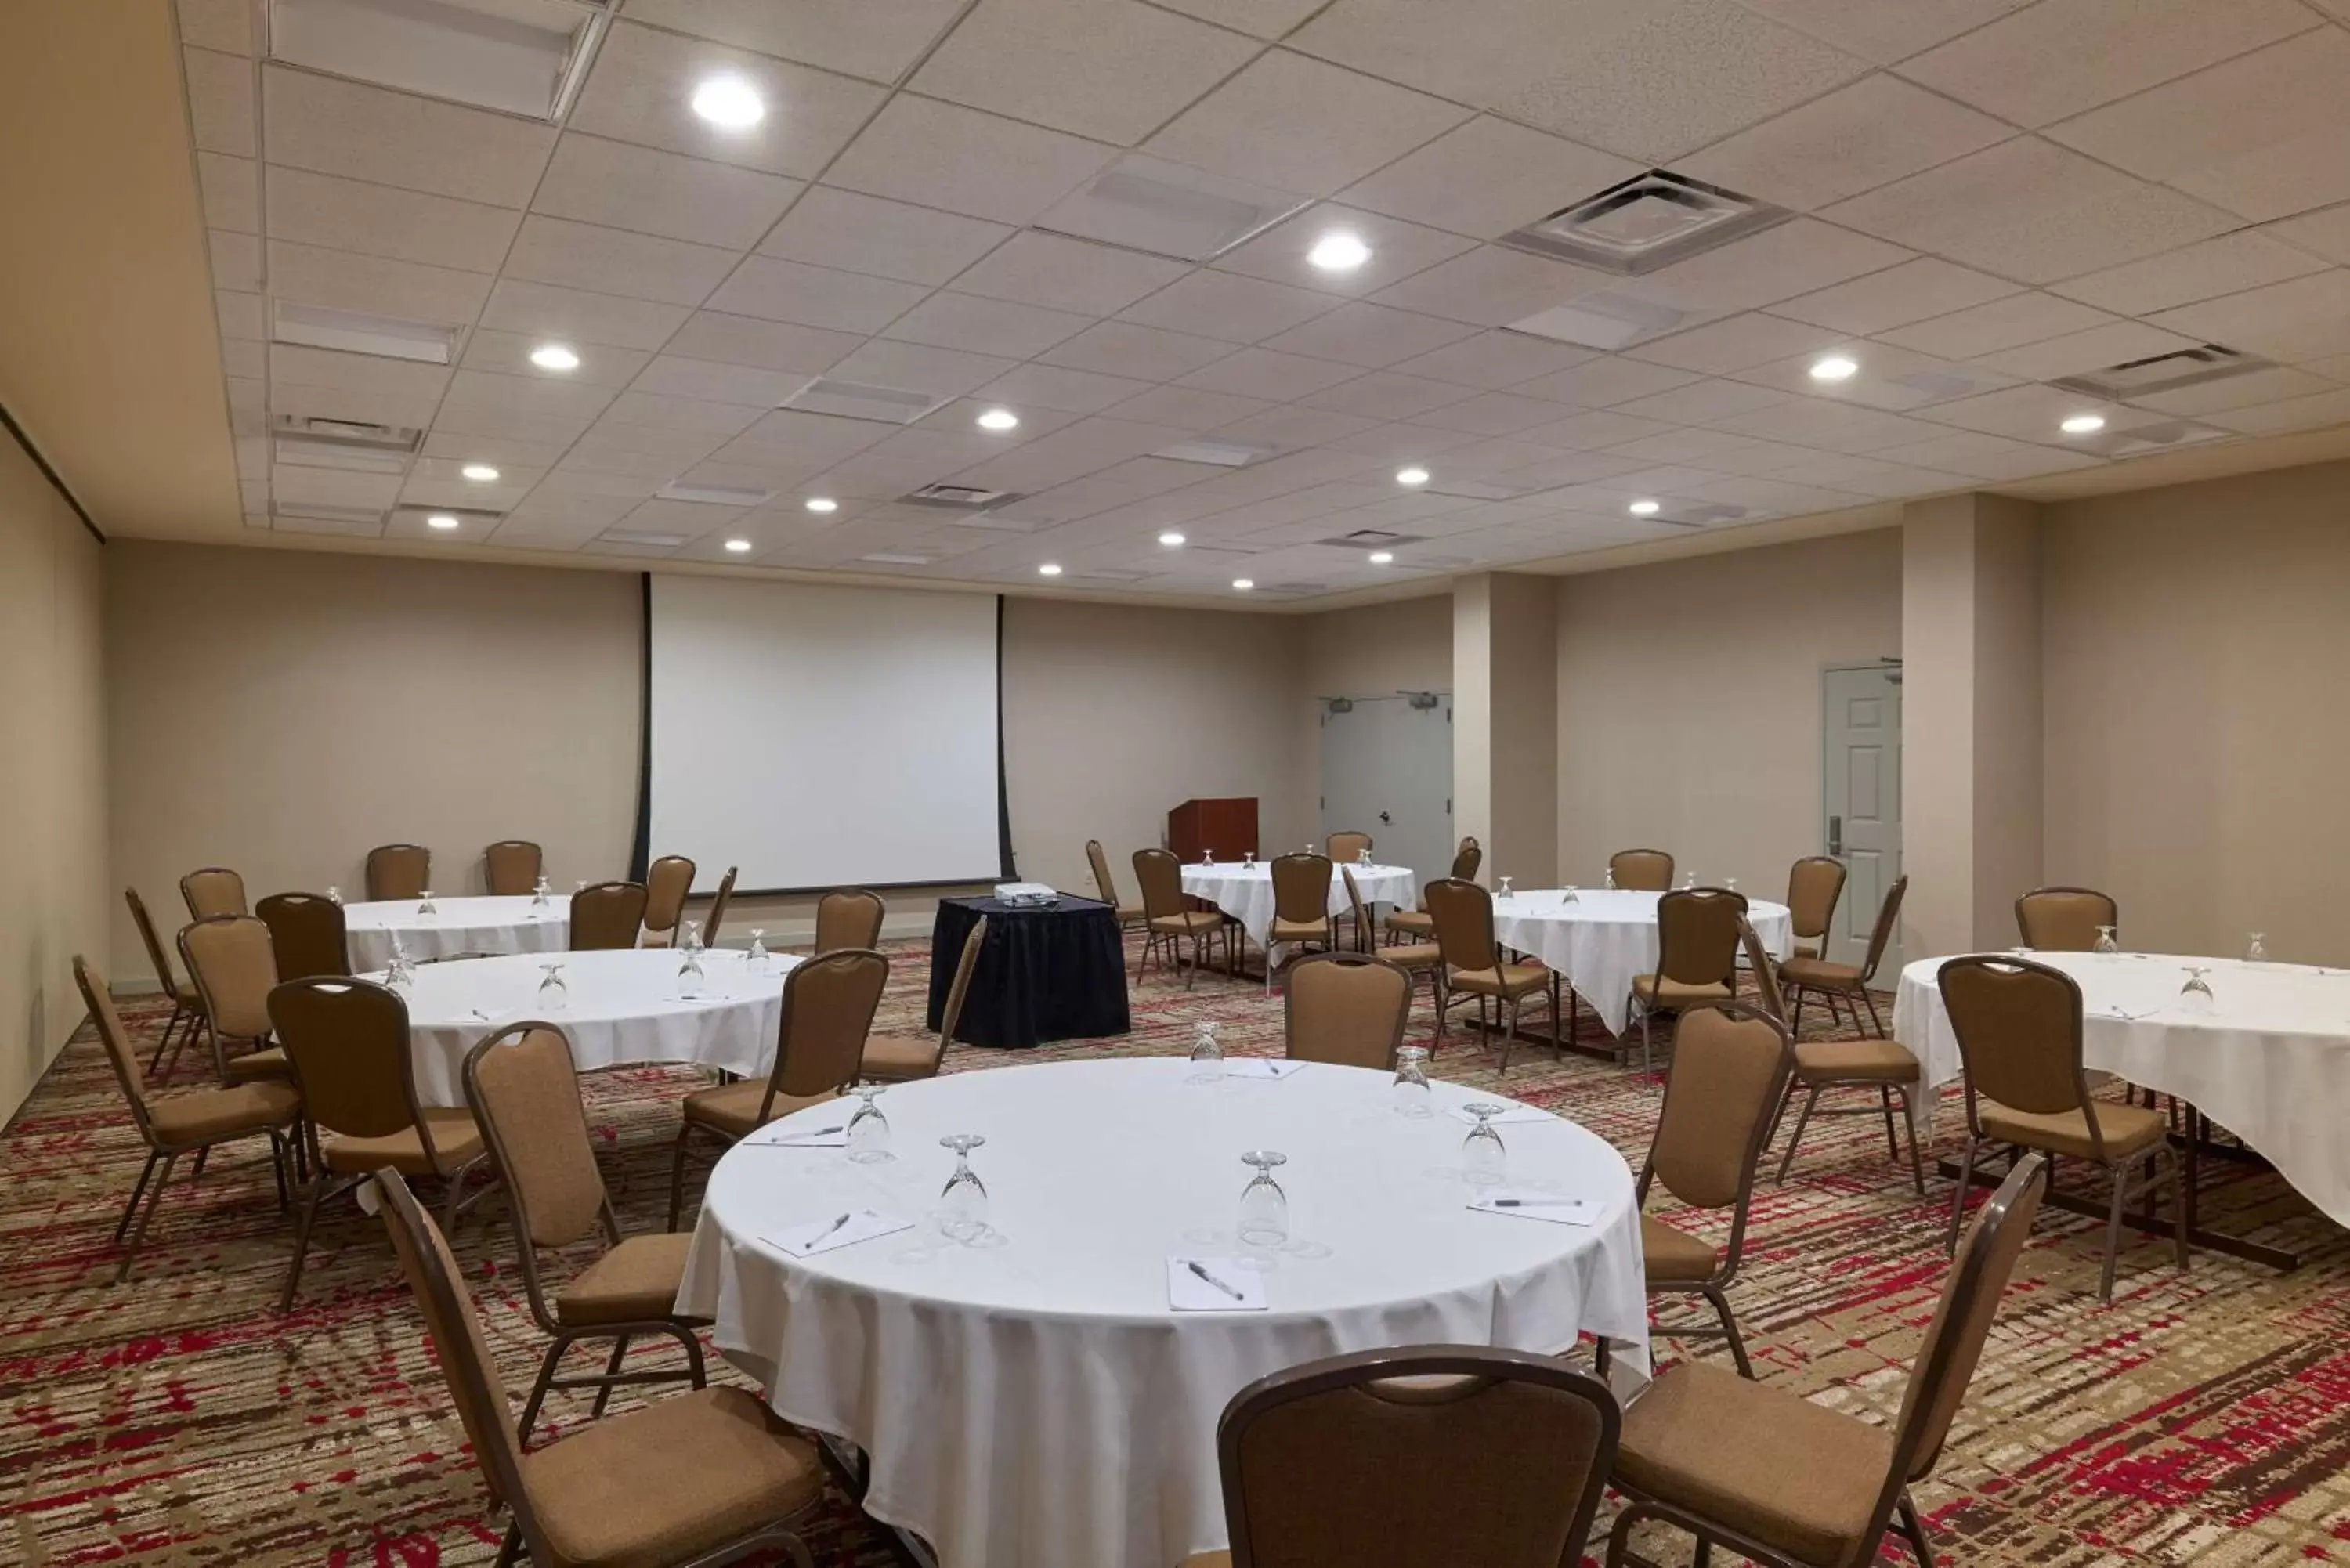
232, 961
398, 871
2018, 1025
1814, 887
187, 1002
176, 1125
215, 890
1347, 1008
1415, 959
1805, 977
667, 884
829, 1006
2064, 919
1419, 1457
306, 933
524, 1086
717, 915
1301, 906
607, 916
849, 919
1641, 871
1166, 922
1347, 846
511, 866
1697, 956
1412, 927
1768, 996
347, 1041
901, 1058
1784, 1482
1106, 891
710, 1476
1470, 964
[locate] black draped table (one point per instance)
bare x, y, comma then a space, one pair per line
1058, 972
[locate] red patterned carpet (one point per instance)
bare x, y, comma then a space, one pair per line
2201, 1418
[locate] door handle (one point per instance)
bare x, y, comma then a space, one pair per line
1835, 834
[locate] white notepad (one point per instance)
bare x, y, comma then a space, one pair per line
826, 1136
1259, 1067
833, 1232
1512, 1115
1214, 1284
1517, 1203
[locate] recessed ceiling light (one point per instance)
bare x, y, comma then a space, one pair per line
1243, 583
1049, 569
441, 520
2083, 424
1171, 538
479, 472
1338, 251
1645, 508
739, 546
554, 357
1413, 475
730, 102
1381, 557
821, 504
1835, 368
999, 419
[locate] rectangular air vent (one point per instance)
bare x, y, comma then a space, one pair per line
1371, 539
2138, 440
1104, 574
346, 457
886, 559
1472, 490
1602, 320
516, 56
1143, 203
1223, 453
312, 517
474, 521
644, 538
714, 494
1292, 587
356, 332
2162, 373
317, 430
1648, 221
958, 497
855, 401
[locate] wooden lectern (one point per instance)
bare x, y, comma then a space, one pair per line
1226, 826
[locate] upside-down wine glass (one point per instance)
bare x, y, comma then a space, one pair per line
1610, 883
757, 951
1264, 1207
689, 977
2256, 952
868, 1129
1207, 856
427, 907
539, 898
1483, 1157
1411, 1094
553, 992
962, 1203
1505, 892
335, 897
2105, 942
1207, 1055
2196, 996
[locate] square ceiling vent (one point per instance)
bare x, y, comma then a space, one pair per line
1167, 209
855, 401
526, 57
1648, 221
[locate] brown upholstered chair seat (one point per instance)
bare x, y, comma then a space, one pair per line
1814, 971
899, 1057
1677, 992
258, 1066
1209, 1560
1411, 923
1502, 980
635, 1281
1128, 914
455, 1140
734, 1109
1415, 956
1283, 931
669, 1481
1188, 921
1855, 1062
2128, 1129
1674, 1254
1791, 1474
210, 1115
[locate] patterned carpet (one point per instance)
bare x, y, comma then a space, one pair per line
2201, 1418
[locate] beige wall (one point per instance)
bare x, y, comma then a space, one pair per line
54, 884
1689, 701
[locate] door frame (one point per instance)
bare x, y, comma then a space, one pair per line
1890, 665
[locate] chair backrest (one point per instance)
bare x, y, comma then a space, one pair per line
717, 916
2018, 1025
1888, 920
96, 997
1467, 858
1104, 888
1730, 1068
233, 965
1455, 1454
667, 886
348, 1040
2064, 919
1462, 912
1642, 870
1697, 935
1301, 888
829, 1006
607, 916
512, 865
966, 964
849, 917
153, 943
524, 1087
1161, 876
1347, 846
1362, 911
215, 890
1347, 1008
398, 871
1815, 884
1766, 973
305, 931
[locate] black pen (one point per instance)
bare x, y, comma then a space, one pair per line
1194, 1266
1534, 1202
831, 1228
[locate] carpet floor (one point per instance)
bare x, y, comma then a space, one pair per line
2202, 1418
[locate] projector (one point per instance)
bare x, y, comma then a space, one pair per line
1026, 895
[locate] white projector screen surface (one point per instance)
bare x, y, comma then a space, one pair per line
822, 737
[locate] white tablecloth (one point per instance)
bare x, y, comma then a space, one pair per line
623, 1009
1034, 1403
2271, 1060
1245, 892
458, 926
1605, 937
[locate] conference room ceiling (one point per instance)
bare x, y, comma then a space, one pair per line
1097, 214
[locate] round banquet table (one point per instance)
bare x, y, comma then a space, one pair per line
2271, 1060
1031, 1401
1245, 892
459, 927
623, 1009
1608, 935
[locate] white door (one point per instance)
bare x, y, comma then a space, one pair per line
1861, 767
1386, 769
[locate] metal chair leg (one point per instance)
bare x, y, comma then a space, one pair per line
1958, 1198
677, 1174
1917, 1162
2114, 1231
1913, 1530
1730, 1331
146, 1216
1873, 1017
1811, 1099
611, 1369
138, 1191
1892, 1138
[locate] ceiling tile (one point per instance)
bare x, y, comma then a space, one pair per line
1034, 268
232, 191
1604, 382
1702, 402
614, 261
2063, 56
623, 186
2028, 210
1895, 297
815, 295
574, 316
1596, 428
1261, 373
878, 42
674, 376
408, 290
1397, 250
1489, 177
950, 320
1985, 456
1492, 414
2007, 323
1836, 427
2305, 318
1372, 336
2271, 386
763, 345
1388, 396
1796, 257
1146, 353
640, 87
699, 416
1114, 71
1886, 481
1853, 139
336, 126
470, 390
1896, 379
942, 155
2327, 233
1300, 124
921, 368
2030, 413
220, 102
1496, 359
1071, 391
1739, 342
508, 354
1293, 425
1210, 304
1490, 286
1258, 19
1883, 31
2094, 350
1189, 408
383, 220
2294, 414
887, 239
2264, 136
235, 259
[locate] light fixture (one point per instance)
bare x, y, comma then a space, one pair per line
1645, 508
441, 522
821, 504
729, 102
479, 472
1338, 251
999, 419
1171, 538
1049, 569
1835, 368
738, 546
1381, 557
1412, 475
554, 357
1243, 583
2083, 424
